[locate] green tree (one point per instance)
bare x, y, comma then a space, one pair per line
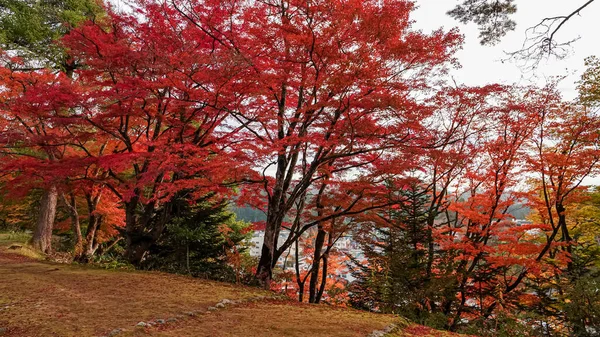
492, 17
589, 85
31, 28
203, 239
395, 279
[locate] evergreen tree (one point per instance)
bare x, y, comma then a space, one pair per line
199, 240
30, 29
394, 279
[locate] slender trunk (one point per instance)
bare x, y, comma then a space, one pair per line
276, 210
299, 279
187, 257
107, 249
566, 237
314, 274
90, 238
75, 225
300, 291
325, 265
323, 279
42, 236
94, 222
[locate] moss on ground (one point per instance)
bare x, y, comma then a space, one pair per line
18, 243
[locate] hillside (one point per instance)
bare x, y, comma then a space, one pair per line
39, 298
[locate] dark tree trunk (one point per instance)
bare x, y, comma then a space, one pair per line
301, 282
277, 204
142, 231
264, 271
566, 236
134, 234
325, 265
300, 291
42, 236
323, 279
130, 224
314, 273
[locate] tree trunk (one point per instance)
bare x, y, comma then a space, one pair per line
75, 226
133, 235
42, 236
142, 231
325, 265
566, 237
264, 271
314, 273
101, 251
94, 222
90, 238
276, 210
323, 279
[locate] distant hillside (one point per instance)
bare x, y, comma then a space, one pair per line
519, 211
248, 214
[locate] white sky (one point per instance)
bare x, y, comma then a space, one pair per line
481, 64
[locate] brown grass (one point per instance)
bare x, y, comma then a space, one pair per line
62, 300
274, 320
48, 299
17, 244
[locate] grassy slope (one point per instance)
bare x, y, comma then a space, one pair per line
44, 299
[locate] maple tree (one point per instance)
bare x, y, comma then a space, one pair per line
334, 118
33, 139
564, 154
327, 91
470, 253
30, 40
155, 100
478, 232
39, 150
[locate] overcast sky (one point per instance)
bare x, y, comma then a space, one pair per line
481, 65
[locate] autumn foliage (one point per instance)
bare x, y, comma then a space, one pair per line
334, 118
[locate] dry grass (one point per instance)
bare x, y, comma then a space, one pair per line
47, 299
61, 300
415, 330
17, 243
274, 320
